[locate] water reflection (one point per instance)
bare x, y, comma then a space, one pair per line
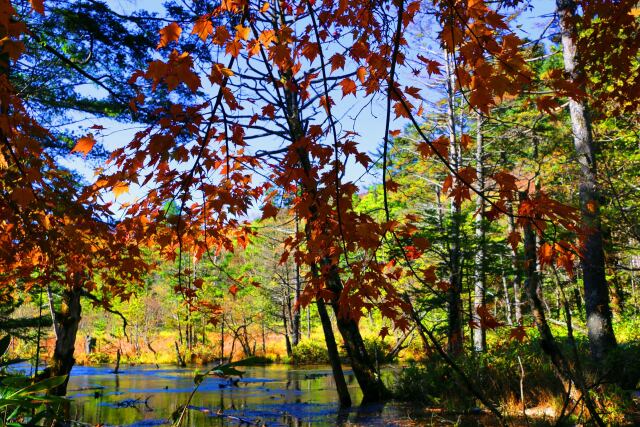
276, 395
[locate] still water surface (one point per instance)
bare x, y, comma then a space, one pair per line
273, 395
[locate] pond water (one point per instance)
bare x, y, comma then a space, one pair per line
272, 395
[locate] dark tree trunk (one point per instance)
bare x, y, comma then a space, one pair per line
373, 389
370, 383
334, 357
548, 342
180, 359
66, 326
286, 331
600, 329
116, 370
617, 297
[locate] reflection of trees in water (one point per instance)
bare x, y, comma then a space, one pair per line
293, 383
295, 387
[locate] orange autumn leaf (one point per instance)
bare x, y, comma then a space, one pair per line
22, 195
13, 48
348, 87
242, 33
233, 48
120, 188
169, 34
84, 145
233, 290
203, 28
400, 110
361, 73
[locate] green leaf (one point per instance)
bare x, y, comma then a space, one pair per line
45, 384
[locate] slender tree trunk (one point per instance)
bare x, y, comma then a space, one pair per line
507, 299
479, 333
454, 333
617, 296
600, 329
286, 331
264, 339
334, 357
178, 323
222, 339
296, 314
67, 321
515, 265
181, 362
116, 370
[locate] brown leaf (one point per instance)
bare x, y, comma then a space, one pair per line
38, 6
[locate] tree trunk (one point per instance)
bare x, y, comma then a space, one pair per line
548, 343
517, 277
601, 336
66, 324
479, 333
334, 357
372, 386
181, 362
454, 315
373, 389
507, 300
116, 370
296, 314
286, 331
264, 338
222, 339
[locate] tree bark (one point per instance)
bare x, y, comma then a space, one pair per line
454, 314
334, 357
287, 339
601, 336
373, 389
479, 333
516, 281
296, 314
66, 325
222, 339
548, 342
